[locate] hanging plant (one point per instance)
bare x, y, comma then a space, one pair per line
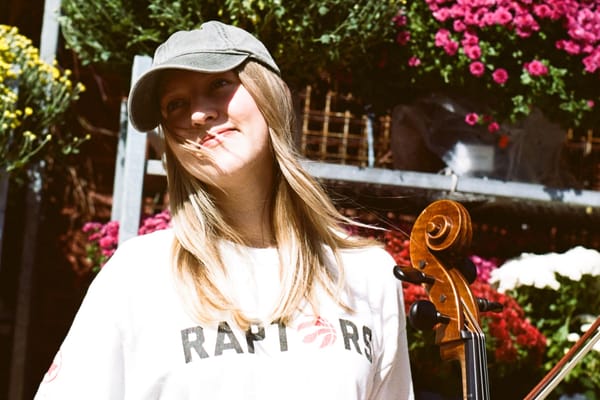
506, 55
34, 98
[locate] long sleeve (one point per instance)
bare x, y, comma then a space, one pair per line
89, 363
393, 380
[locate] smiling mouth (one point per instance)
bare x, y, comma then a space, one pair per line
212, 139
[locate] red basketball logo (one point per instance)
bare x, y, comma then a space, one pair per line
52, 372
318, 328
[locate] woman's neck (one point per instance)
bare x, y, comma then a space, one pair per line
248, 209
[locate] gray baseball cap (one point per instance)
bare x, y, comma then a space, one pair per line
213, 47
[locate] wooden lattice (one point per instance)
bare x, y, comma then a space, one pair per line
336, 134
583, 156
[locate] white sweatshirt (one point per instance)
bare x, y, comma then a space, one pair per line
132, 339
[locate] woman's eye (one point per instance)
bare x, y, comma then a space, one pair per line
219, 83
175, 104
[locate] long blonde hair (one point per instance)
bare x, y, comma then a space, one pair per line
303, 219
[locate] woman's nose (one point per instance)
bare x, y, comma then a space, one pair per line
202, 114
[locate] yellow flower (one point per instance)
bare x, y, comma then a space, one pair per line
41, 87
29, 135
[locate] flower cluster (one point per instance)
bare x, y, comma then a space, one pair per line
508, 55
559, 292
103, 238
33, 97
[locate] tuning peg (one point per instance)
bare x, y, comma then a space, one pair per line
412, 275
486, 305
424, 316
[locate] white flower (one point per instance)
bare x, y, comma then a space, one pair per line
539, 270
526, 270
573, 337
577, 262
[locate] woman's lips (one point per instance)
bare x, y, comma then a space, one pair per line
212, 139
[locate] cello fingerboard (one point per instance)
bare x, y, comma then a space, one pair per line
478, 387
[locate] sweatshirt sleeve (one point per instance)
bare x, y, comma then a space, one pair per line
393, 380
89, 362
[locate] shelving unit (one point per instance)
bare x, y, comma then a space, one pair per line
378, 183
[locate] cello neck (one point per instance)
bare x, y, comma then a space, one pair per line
476, 373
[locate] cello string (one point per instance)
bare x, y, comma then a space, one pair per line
481, 366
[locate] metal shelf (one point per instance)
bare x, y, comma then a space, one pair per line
471, 189
453, 184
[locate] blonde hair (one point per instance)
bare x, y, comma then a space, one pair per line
304, 221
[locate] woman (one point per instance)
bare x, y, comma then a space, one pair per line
257, 291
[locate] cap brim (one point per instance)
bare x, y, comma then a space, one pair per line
143, 101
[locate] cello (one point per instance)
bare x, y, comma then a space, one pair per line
439, 240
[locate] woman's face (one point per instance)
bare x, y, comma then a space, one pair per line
218, 115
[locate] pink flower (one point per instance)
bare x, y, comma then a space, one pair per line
477, 68
536, 68
590, 103
400, 19
471, 118
442, 37
441, 15
592, 62
542, 10
469, 39
502, 16
91, 226
493, 127
500, 76
107, 242
569, 46
473, 52
414, 61
451, 48
526, 25
458, 26
403, 38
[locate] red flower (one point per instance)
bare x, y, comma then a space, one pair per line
503, 141
500, 76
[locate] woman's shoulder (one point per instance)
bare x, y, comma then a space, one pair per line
370, 262
152, 242
147, 252
371, 254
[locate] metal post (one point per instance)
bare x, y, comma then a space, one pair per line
134, 168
